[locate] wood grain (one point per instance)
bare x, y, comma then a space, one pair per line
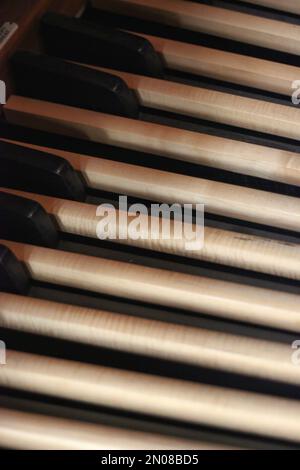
220, 246
291, 6
220, 198
207, 19
152, 395
167, 341
256, 115
30, 431
170, 142
26, 15
158, 286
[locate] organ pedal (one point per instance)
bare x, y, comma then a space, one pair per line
138, 342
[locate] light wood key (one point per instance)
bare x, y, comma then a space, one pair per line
221, 22
159, 286
154, 396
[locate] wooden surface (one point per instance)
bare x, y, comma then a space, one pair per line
220, 246
292, 6
196, 59
225, 108
152, 395
30, 431
226, 66
27, 13
220, 198
220, 22
159, 286
170, 142
195, 346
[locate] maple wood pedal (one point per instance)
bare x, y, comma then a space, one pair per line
208, 19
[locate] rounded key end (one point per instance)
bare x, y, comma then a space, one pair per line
13, 275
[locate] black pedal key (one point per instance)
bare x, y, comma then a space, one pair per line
54, 79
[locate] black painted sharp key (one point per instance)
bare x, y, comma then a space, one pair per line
54, 79
24, 220
13, 275
81, 41
40, 172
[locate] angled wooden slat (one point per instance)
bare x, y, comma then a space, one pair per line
31, 431
225, 108
226, 66
152, 395
159, 286
194, 346
170, 142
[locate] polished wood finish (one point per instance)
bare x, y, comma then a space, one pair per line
31, 431
26, 14
291, 6
221, 22
226, 66
170, 142
220, 198
194, 346
225, 408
